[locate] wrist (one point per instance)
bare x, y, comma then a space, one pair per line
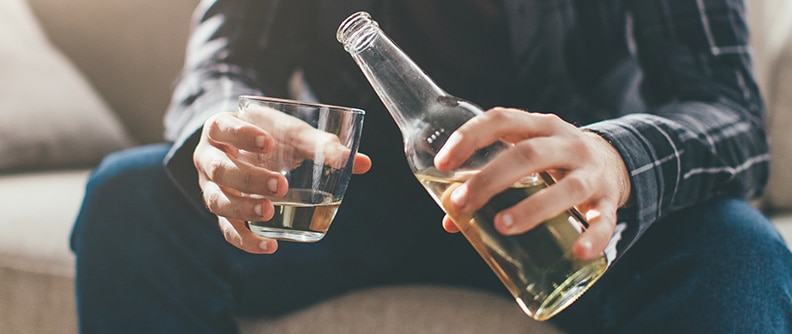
614, 163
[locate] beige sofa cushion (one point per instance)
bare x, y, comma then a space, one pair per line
35, 227
405, 309
772, 56
132, 51
779, 191
50, 116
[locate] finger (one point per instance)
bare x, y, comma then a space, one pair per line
236, 233
296, 140
543, 205
500, 123
229, 203
334, 154
229, 130
362, 164
511, 167
452, 215
299, 141
602, 224
221, 168
449, 225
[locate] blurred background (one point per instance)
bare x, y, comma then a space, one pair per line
131, 51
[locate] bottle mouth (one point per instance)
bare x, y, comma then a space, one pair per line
357, 32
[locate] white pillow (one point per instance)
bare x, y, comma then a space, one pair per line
50, 116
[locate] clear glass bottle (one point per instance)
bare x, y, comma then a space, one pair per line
538, 267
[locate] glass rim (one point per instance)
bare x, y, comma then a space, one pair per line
303, 103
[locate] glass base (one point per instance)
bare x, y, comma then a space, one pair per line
568, 292
285, 234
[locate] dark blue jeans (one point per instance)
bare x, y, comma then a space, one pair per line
149, 261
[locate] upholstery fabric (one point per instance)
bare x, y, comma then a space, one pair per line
772, 58
131, 51
34, 231
50, 116
384, 310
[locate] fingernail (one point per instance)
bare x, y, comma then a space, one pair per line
586, 246
264, 245
443, 155
257, 210
272, 185
261, 141
440, 157
507, 220
458, 197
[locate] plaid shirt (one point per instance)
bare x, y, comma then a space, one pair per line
694, 132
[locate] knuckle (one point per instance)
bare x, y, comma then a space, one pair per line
499, 114
578, 145
197, 157
235, 209
579, 184
222, 124
228, 234
248, 177
550, 118
212, 201
329, 138
216, 169
579, 148
212, 126
526, 151
478, 184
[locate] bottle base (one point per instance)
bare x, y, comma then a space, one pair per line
568, 292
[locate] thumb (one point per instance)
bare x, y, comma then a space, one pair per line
458, 218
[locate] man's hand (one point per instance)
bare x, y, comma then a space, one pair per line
235, 172
590, 172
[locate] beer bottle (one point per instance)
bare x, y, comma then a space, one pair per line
537, 267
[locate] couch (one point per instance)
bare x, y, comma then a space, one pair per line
82, 78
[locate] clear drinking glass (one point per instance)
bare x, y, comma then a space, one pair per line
314, 148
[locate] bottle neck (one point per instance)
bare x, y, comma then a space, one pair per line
402, 86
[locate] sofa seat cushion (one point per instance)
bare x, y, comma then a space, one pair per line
405, 309
35, 227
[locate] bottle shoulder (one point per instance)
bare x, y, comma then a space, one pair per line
427, 135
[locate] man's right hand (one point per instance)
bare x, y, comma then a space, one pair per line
233, 187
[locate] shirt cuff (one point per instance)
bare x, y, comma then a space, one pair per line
628, 135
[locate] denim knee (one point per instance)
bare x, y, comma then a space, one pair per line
718, 267
137, 240
119, 186
128, 170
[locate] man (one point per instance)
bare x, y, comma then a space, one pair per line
674, 162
